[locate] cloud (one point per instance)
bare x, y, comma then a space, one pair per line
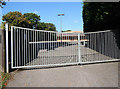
36, 12
76, 21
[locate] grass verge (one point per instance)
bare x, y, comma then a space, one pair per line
4, 77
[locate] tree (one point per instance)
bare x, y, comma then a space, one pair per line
41, 26
16, 19
46, 26
2, 2
27, 20
50, 27
33, 18
67, 31
101, 16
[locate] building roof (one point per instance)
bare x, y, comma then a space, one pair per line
75, 32
71, 33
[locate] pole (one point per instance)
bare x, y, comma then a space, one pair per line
7, 56
61, 23
61, 29
79, 54
12, 47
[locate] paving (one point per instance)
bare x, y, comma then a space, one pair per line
94, 75
67, 54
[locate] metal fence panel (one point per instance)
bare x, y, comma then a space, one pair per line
99, 47
39, 48
32, 48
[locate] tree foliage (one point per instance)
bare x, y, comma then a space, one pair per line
101, 16
33, 18
16, 19
67, 31
2, 2
46, 26
50, 27
41, 26
27, 20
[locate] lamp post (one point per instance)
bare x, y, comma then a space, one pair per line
61, 25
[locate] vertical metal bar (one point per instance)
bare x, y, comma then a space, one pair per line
111, 41
29, 46
33, 47
54, 44
7, 55
83, 47
101, 45
72, 50
76, 50
11, 48
105, 43
37, 46
40, 48
103, 37
14, 49
44, 49
79, 54
24, 45
107, 39
81, 44
48, 48
98, 44
68, 44
95, 45
17, 48
90, 46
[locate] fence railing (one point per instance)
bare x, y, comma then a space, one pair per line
100, 47
32, 48
43, 48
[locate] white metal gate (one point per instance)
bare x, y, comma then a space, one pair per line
39, 48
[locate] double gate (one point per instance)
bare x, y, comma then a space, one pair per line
39, 48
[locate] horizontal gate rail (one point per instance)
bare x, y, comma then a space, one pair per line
49, 42
115, 60
44, 66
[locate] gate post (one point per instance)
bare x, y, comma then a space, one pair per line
7, 60
79, 54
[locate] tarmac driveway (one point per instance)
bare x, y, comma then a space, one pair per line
93, 75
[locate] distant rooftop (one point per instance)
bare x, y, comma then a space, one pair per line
71, 33
75, 31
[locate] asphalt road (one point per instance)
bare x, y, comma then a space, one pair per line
94, 75
67, 54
